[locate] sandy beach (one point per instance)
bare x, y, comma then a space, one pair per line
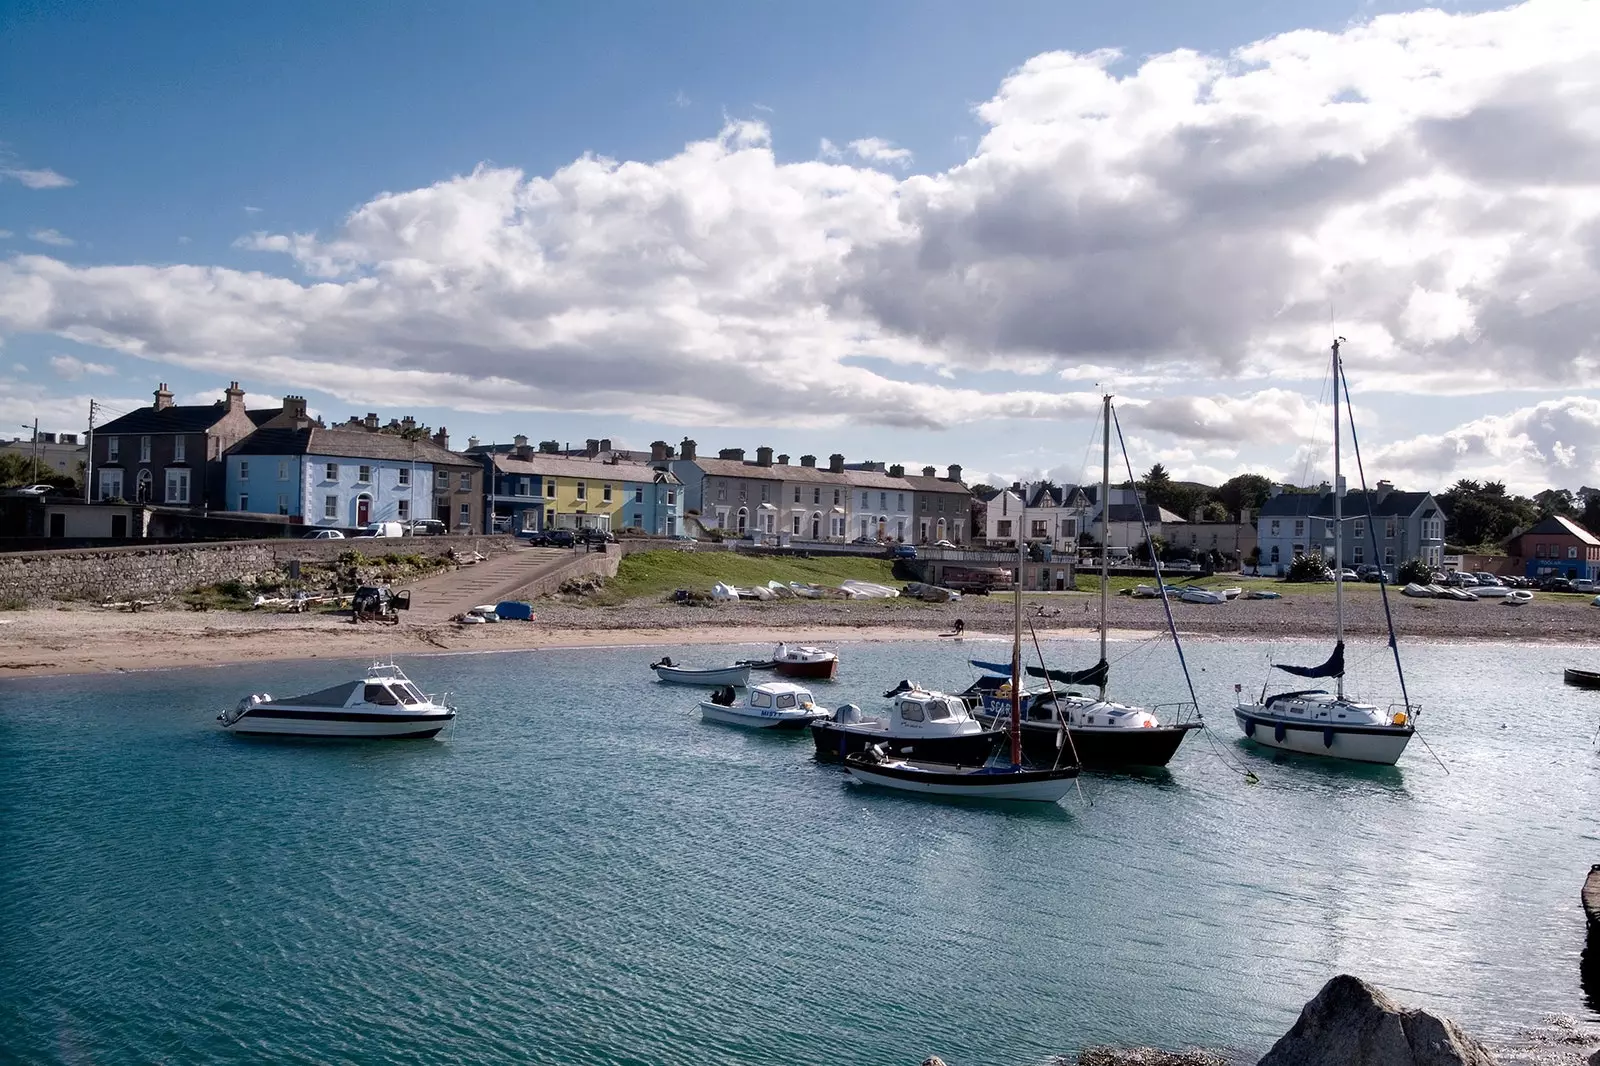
76, 639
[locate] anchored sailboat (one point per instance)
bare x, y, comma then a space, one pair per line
1104, 734
1331, 724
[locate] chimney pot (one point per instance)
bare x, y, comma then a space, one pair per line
808, 461
955, 473
442, 438
736, 454
763, 456
591, 447
783, 460
234, 396
687, 447
836, 463
163, 397
897, 471
371, 420
520, 440
605, 444
658, 451
929, 471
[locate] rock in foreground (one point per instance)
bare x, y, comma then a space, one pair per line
1351, 1023
1146, 1056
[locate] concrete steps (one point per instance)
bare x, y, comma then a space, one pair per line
443, 596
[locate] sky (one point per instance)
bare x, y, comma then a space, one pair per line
922, 232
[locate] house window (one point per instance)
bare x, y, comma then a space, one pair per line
180, 448
1388, 530
638, 520
283, 470
1041, 529
244, 470
816, 496
795, 525
764, 490
722, 491
466, 514
925, 505
330, 508
1274, 550
1538, 551
550, 518
836, 503
605, 493
941, 505
638, 494
1361, 527
883, 501
330, 472
113, 447
550, 490
144, 449
1299, 527
405, 476
1572, 553
797, 494
583, 491
465, 482
177, 486
244, 501
1002, 528
283, 503
899, 501
1358, 556
441, 479
672, 497
1388, 557
402, 509
1274, 529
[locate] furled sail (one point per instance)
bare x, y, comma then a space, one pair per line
1334, 667
1095, 675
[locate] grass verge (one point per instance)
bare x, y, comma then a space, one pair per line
654, 574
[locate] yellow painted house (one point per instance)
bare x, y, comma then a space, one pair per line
590, 497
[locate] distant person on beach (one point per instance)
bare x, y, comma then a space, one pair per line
961, 627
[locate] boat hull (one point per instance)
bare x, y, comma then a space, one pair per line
1581, 678
286, 723
1034, 786
1380, 745
835, 744
1105, 749
817, 670
756, 718
737, 676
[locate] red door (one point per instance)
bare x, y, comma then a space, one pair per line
363, 510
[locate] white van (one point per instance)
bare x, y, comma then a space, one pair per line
384, 529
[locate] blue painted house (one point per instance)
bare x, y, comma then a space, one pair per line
351, 476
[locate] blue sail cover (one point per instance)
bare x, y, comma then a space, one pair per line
1334, 667
992, 668
1094, 675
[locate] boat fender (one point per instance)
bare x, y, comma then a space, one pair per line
1327, 738
1249, 727
1400, 718
1278, 732
1149, 724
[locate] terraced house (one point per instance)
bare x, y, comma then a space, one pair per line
1401, 526
170, 453
542, 489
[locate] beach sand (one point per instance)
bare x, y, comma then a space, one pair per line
76, 639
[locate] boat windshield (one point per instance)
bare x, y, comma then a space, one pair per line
380, 694
910, 711
760, 699
408, 694
938, 711
786, 699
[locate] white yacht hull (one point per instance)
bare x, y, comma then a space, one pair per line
1382, 745
758, 718
322, 724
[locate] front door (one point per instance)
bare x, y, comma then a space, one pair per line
816, 527
363, 510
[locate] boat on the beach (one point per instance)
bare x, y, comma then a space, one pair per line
1196, 594
928, 725
1332, 724
1581, 678
769, 705
804, 661
1516, 598
381, 704
671, 672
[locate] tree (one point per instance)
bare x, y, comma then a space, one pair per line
1215, 511
1557, 502
1142, 550
983, 490
18, 468
1483, 514
1156, 484
1414, 572
1307, 568
1245, 491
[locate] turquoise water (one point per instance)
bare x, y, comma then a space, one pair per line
583, 872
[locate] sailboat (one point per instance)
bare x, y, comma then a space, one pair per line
995, 779
1104, 734
1315, 721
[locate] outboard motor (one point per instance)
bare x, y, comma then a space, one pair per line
847, 714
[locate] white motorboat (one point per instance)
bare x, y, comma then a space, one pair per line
1332, 724
771, 705
1196, 594
1421, 592
671, 672
382, 704
929, 725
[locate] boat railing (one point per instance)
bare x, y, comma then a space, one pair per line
1176, 712
1410, 710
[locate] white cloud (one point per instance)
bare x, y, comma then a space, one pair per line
185, 240
5, 233
22, 401
681, 99
37, 179
250, 209
878, 150
71, 368
1185, 228
1553, 443
52, 237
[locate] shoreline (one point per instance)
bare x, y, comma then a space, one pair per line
75, 640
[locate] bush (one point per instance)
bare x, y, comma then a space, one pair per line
1415, 571
1307, 568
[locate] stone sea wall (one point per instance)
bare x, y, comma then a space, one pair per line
109, 574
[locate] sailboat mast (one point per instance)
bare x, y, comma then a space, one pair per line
1105, 530
1016, 649
1338, 519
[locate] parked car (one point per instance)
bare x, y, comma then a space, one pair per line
1373, 573
865, 540
597, 536
36, 490
535, 538
426, 527
903, 551
323, 534
560, 538
1179, 566
1583, 584
384, 529
1556, 584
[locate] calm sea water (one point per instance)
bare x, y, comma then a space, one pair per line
583, 872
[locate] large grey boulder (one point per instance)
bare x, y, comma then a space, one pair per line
1351, 1023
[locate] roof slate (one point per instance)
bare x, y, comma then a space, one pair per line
347, 444
175, 419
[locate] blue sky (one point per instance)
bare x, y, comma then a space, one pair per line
185, 127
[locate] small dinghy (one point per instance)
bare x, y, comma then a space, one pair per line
382, 704
1421, 592
770, 705
1262, 594
671, 672
997, 782
1195, 594
1581, 678
1516, 598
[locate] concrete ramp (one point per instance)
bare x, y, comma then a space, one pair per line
442, 596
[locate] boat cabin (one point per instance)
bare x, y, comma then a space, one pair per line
1318, 705
780, 696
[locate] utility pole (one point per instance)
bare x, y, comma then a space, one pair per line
35, 447
88, 462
